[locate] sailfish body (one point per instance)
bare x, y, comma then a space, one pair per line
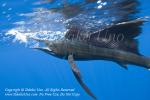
114, 42
83, 51
77, 49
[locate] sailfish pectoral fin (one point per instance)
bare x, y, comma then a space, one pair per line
77, 74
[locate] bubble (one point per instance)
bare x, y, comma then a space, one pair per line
104, 3
7, 16
9, 9
9, 19
100, 22
4, 4
4, 12
99, 1
100, 6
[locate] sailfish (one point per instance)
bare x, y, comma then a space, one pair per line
113, 42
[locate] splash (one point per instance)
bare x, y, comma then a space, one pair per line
53, 23
43, 25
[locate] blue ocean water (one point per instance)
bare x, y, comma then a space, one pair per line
22, 67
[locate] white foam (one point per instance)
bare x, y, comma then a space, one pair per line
18, 35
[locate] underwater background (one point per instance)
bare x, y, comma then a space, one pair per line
23, 67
